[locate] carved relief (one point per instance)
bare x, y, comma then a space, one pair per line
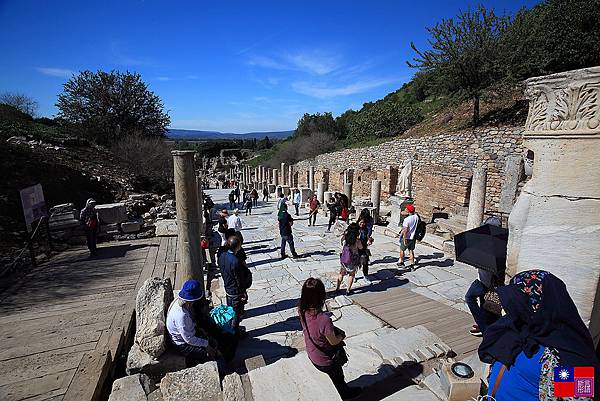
567, 102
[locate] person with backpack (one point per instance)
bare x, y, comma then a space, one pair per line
365, 225
286, 221
314, 210
334, 207
254, 195
248, 202
91, 225
407, 236
350, 256
232, 200
222, 224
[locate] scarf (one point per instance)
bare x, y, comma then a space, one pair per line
282, 211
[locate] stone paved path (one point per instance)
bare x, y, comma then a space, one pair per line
271, 322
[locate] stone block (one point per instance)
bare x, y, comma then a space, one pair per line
456, 388
112, 213
413, 393
63, 208
132, 388
62, 216
156, 395
287, 378
165, 228
109, 229
255, 363
140, 362
64, 224
354, 320
152, 302
200, 383
131, 227
343, 300
305, 193
233, 389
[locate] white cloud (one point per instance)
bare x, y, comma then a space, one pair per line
56, 72
325, 91
163, 78
319, 63
267, 62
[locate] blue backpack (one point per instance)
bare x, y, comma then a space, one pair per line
223, 316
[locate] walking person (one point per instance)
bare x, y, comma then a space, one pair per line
285, 230
407, 236
222, 224
254, 195
282, 199
322, 338
234, 221
248, 202
350, 256
314, 210
333, 205
233, 280
232, 200
297, 200
237, 193
365, 225
265, 194
91, 225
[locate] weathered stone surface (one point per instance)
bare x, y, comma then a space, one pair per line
200, 383
343, 300
152, 302
288, 378
513, 171
131, 227
63, 208
412, 393
233, 389
156, 395
132, 388
166, 228
354, 320
111, 213
140, 362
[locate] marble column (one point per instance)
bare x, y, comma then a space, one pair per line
555, 223
291, 176
188, 218
283, 178
321, 192
376, 196
477, 198
513, 171
348, 192
275, 177
311, 178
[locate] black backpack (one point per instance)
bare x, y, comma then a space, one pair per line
420, 230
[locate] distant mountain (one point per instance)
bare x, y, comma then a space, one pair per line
193, 134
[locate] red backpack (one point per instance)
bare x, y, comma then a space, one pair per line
345, 213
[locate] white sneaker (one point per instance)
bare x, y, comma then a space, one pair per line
367, 281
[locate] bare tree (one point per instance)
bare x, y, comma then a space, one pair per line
21, 102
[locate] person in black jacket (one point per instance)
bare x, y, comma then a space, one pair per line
285, 230
234, 279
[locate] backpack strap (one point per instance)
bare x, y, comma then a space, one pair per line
498, 380
312, 341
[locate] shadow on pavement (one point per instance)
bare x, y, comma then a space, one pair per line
381, 384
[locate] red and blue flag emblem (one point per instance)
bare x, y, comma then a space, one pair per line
573, 381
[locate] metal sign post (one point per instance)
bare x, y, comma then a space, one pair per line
34, 209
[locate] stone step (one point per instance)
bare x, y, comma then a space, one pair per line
439, 242
452, 225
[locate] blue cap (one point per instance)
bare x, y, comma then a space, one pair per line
191, 291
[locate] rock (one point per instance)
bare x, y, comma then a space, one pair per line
156, 395
140, 362
233, 389
413, 393
164, 197
132, 388
109, 229
165, 228
200, 383
131, 227
63, 208
343, 300
152, 302
112, 213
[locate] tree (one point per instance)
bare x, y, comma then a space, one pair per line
112, 105
310, 123
21, 102
465, 53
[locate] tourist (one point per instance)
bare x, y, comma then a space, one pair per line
321, 337
234, 221
407, 236
237, 194
248, 202
314, 210
365, 225
297, 200
541, 329
232, 200
254, 195
265, 194
91, 225
222, 224
334, 205
282, 199
233, 276
285, 230
182, 328
475, 293
351, 248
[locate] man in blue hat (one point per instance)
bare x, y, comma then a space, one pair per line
182, 328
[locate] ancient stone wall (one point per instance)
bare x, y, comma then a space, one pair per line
442, 166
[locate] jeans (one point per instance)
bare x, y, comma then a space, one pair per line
482, 317
297, 206
332, 218
312, 218
336, 374
193, 355
255, 202
91, 237
290, 240
237, 303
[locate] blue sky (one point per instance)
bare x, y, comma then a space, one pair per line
234, 66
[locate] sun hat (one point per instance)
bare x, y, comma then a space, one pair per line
191, 291
410, 208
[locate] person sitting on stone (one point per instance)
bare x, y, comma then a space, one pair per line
182, 328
